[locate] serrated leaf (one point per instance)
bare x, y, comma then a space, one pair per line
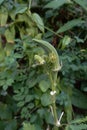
55, 4
37, 19
70, 24
82, 3
44, 85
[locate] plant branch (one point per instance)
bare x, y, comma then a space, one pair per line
30, 1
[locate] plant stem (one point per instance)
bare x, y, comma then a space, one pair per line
54, 101
30, 1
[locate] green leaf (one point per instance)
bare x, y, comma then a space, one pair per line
10, 34
29, 98
79, 121
82, 3
8, 49
41, 112
1, 1
20, 9
49, 117
31, 82
31, 106
37, 19
70, 24
44, 85
19, 97
55, 4
79, 99
28, 126
20, 104
65, 42
79, 127
79, 40
3, 18
46, 99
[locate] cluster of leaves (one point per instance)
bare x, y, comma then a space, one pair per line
25, 69
25, 83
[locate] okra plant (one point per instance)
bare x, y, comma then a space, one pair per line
32, 95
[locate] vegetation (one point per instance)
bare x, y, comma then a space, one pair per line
43, 65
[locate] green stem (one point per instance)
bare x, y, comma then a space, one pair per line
30, 1
54, 102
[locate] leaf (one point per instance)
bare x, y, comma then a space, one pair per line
65, 42
20, 104
79, 127
20, 9
41, 112
46, 99
31, 106
19, 97
31, 82
79, 121
29, 98
70, 24
10, 34
8, 49
79, 40
28, 126
82, 3
1, 1
56, 3
37, 19
49, 117
3, 18
44, 85
79, 99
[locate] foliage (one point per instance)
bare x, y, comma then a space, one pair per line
32, 95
